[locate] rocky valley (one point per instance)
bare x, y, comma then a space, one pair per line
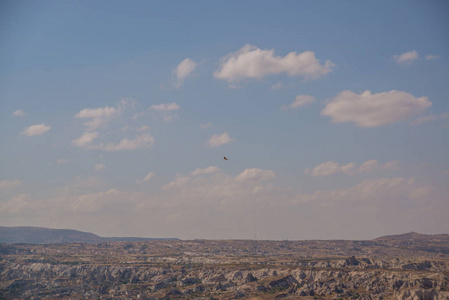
409, 266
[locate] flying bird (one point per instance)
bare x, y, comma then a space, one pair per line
225, 158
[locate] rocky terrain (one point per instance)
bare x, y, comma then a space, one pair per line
410, 266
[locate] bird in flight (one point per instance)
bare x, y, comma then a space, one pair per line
225, 158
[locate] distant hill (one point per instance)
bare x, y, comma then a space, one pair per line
41, 235
414, 236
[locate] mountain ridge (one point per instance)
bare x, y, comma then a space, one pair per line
44, 235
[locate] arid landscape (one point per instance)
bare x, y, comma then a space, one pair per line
408, 266
224, 149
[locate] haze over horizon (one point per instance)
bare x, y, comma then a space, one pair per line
116, 116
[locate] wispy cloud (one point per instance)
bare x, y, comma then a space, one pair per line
148, 176
330, 168
165, 106
34, 130
62, 161
373, 110
254, 63
184, 70
300, 100
430, 117
432, 57
8, 184
19, 113
208, 170
205, 125
86, 141
277, 86
99, 167
406, 58
98, 117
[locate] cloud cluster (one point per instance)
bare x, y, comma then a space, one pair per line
167, 109
407, 58
208, 203
254, 63
373, 110
330, 168
98, 118
219, 185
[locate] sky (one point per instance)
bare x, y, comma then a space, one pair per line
115, 117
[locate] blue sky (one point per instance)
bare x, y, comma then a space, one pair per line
115, 117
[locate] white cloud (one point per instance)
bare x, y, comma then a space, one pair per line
85, 140
330, 168
372, 110
165, 106
252, 62
431, 57
98, 116
183, 70
148, 176
99, 167
19, 113
208, 170
35, 130
219, 139
406, 58
300, 100
8, 184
